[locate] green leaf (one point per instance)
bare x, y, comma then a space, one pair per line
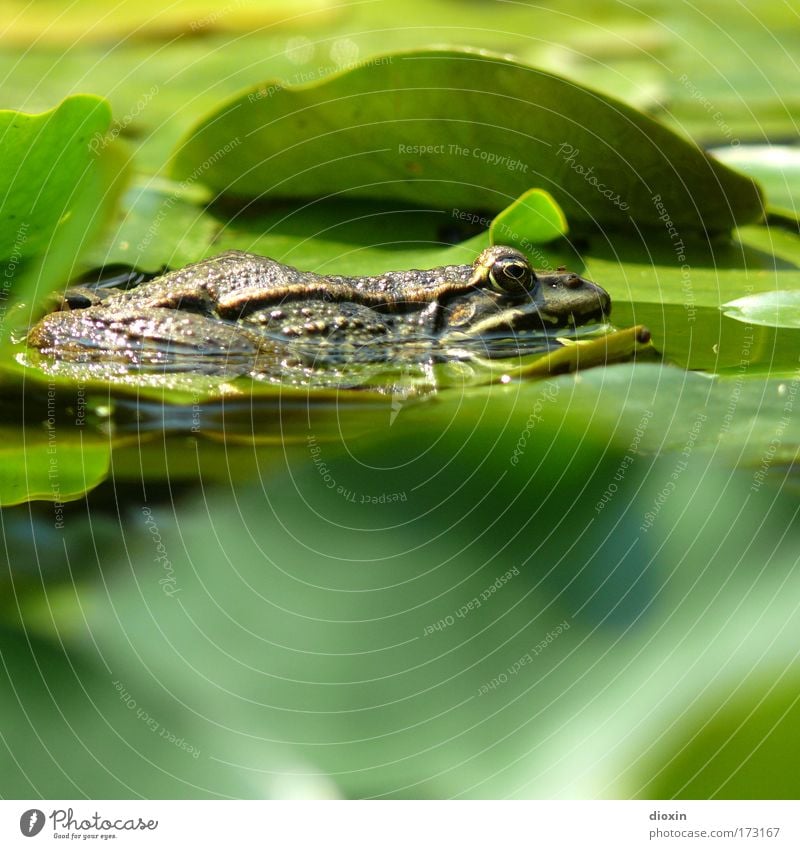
44, 157
163, 224
461, 130
60, 182
532, 219
160, 225
740, 414
769, 309
677, 289
56, 465
735, 745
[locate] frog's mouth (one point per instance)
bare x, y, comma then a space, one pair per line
533, 317
592, 306
595, 316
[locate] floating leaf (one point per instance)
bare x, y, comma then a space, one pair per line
60, 181
463, 130
734, 745
778, 308
50, 464
532, 219
160, 225
45, 157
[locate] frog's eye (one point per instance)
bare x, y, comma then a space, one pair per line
512, 276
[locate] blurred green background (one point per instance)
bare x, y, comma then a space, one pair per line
583, 587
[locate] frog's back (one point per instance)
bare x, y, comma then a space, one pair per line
212, 279
237, 282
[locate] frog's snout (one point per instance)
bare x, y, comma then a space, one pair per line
588, 302
576, 299
603, 300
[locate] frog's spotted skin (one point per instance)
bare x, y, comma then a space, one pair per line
239, 314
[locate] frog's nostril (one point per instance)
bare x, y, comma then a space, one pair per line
572, 281
76, 301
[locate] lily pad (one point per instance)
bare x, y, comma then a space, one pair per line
49, 464
60, 182
159, 225
463, 130
778, 308
44, 156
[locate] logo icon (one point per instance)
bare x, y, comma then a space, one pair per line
31, 822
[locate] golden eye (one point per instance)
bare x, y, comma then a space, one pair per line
512, 276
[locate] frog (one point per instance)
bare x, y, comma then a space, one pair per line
242, 314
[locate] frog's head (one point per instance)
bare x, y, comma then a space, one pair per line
507, 295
